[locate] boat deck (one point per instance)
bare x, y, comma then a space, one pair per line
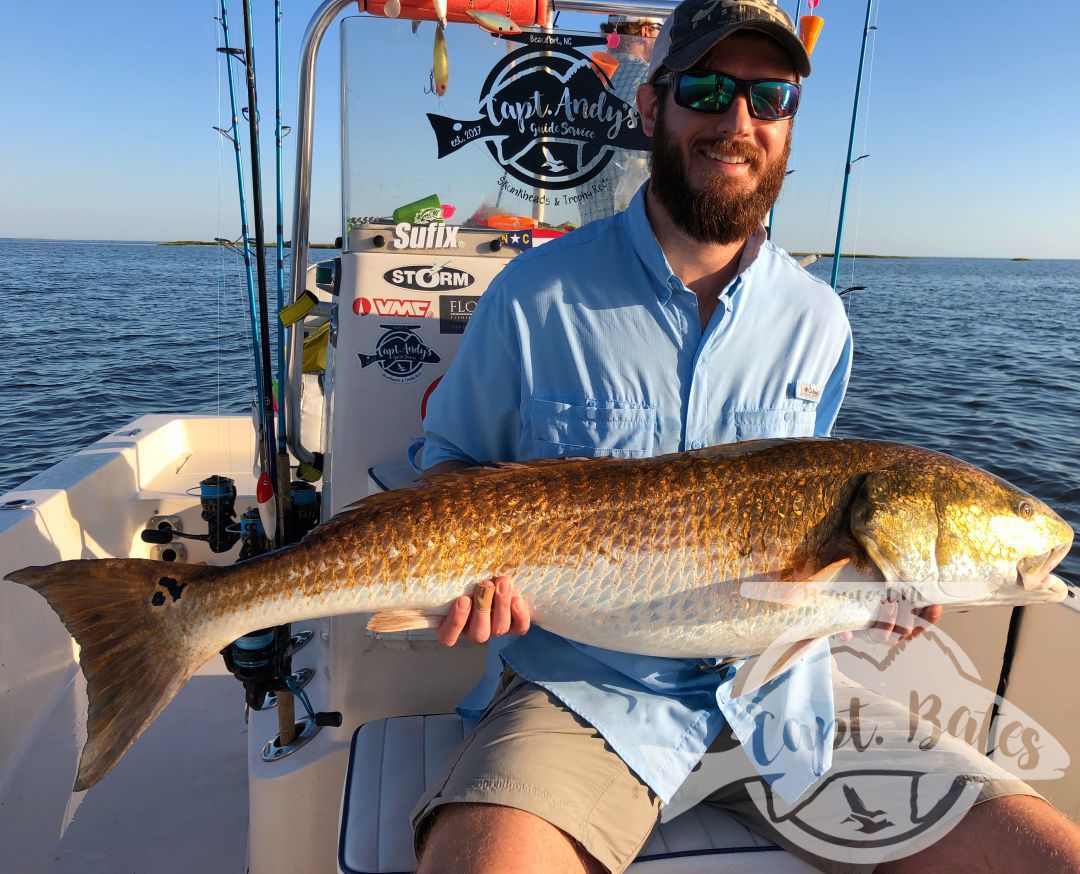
176, 803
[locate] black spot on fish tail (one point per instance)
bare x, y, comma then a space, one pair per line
172, 587
158, 599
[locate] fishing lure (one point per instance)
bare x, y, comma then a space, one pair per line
493, 22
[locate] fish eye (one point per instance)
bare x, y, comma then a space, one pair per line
1025, 510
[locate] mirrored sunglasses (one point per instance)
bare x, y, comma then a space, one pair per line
713, 91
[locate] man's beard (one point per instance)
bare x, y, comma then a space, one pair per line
721, 212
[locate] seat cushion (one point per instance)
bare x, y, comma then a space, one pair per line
393, 760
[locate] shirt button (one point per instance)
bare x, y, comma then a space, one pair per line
789, 417
695, 444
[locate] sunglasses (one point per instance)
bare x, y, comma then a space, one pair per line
713, 91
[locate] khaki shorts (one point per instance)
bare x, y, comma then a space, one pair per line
531, 752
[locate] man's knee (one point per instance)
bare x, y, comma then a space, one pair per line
1009, 833
481, 838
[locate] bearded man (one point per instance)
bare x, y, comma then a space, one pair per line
670, 326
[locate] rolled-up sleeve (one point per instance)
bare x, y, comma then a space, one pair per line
474, 414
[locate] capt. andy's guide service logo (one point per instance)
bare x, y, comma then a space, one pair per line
548, 114
400, 354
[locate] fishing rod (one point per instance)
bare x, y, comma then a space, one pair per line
772, 209
279, 134
809, 28
261, 660
267, 649
851, 148
268, 477
233, 135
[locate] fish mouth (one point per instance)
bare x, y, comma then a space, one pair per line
1033, 573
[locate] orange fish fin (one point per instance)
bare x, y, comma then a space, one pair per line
830, 572
134, 647
389, 501
403, 620
760, 669
497, 467
800, 593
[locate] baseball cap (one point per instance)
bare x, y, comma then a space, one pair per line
695, 26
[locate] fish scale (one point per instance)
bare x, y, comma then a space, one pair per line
736, 550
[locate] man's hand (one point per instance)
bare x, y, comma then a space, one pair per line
895, 621
509, 614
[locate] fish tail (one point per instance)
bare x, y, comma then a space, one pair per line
134, 651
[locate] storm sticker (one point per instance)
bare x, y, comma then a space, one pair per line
434, 278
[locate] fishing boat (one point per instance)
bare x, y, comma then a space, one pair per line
313, 762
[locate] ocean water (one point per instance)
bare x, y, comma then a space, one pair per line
974, 357
95, 334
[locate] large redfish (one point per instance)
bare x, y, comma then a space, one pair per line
718, 552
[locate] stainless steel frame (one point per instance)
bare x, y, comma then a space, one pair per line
316, 29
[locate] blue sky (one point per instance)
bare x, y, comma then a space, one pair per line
969, 120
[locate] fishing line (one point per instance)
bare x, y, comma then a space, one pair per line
280, 132
232, 134
850, 160
865, 148
832, 204
299, 692
221, 249
791, 189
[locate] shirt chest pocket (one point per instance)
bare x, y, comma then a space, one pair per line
592, 428
777, 422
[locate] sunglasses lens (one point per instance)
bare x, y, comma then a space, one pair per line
705, 92
774, 100
709, 91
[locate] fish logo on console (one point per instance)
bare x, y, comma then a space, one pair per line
401, 354
548, 115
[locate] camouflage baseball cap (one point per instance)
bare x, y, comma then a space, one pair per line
695, 26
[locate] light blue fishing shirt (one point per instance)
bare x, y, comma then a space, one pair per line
591, 346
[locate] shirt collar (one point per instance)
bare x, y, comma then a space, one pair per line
644, 242
750, 251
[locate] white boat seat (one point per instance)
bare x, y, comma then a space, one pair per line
393, 760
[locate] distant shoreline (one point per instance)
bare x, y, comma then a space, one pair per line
332, 246
215, 243
798, 254
848, 255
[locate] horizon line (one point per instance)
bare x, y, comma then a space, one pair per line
790, 252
